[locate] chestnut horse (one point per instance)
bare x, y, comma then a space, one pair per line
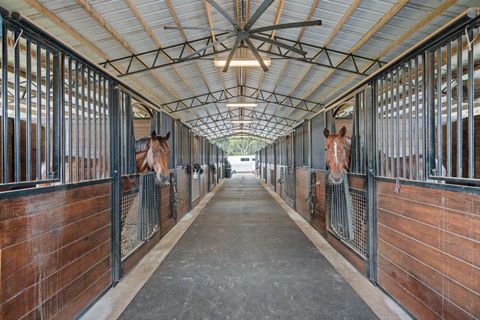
337, 155
151, 153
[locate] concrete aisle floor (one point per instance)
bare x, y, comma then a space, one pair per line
244, 258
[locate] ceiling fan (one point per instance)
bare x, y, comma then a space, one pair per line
243, 34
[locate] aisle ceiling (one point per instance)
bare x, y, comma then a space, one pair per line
355, 38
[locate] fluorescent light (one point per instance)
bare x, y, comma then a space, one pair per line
241, 62
241, 105
241, 121
242, 131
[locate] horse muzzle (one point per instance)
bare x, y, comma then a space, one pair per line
163, 179
336, 178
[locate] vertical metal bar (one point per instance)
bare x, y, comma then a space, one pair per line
28, 105
89, 128
430, 116
410, 120
382, 129
70, 120
392, 124
58, 108
77, 124
82, 96
47, 113
17, 162
471, 115
439, 155
5, 142
397, 121
459, 107
387, 131
425, 120
418, 135
94, 162
404, 122
100, 132
39, 114
106, 160
449, 111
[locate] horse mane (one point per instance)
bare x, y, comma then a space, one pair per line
142, 144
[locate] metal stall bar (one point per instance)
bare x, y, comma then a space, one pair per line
28, 102
70, 118
417, 118
439, 156
449, 112
471, 115
459, 107
5, 142
17, 160
58, 109
47, 114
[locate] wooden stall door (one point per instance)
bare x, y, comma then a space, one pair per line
56, 251
429, 249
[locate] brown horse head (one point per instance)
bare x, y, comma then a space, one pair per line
337, 154
152, 154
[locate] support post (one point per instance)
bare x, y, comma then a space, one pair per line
113, 111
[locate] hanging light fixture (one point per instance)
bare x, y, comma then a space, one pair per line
241, 104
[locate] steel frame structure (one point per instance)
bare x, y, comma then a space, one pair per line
179, 53
257, 94
245, 114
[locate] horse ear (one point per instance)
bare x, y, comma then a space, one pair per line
343, 131
154, 134
326, 132
168, 135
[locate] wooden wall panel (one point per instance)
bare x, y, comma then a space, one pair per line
302, 188
429, 250
55, 251
319, 221
183, 191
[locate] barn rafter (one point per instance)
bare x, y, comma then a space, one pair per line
182, 52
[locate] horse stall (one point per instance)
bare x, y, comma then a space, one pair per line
213, 160
406, 212
182, 170
77, 213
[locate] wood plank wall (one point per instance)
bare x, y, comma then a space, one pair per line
183, 189
429, 250
302, 189
55, 252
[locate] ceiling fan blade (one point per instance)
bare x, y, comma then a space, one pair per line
231, 54
256, 54
195, 28
206, 47
264, 6
224, 13
288, 25
278, 43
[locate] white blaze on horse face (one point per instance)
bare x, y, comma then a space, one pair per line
335, 150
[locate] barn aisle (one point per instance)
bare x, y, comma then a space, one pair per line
244, 258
